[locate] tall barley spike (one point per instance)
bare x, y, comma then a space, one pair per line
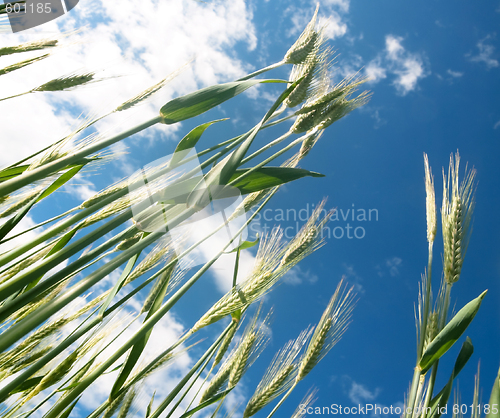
29, 46
127, 403
430, 202
224, 345
247, 349
21, 64
161, 282
278, 377
115, 404
241, 361
66, 82
329, 330
306, 402
146, 94
21, 199
308, 144
259, 281
456, 216
309, 238
305, 44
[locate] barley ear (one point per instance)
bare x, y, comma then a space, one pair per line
305, 44
329, 330
456, 216
430, 202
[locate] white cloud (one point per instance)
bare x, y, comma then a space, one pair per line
375, 70
393, 47
455, 74
81, 188
497, 125
334, 26
331, 17
353, 278
343, 5
298, 276
407, 67
485, 54
393, 264
360, 394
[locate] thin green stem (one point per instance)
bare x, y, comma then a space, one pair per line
427, 297
262, 70
236, 265
190, 387
48, 221
410, 407
283, 398
15, 95
266, 147
430, 387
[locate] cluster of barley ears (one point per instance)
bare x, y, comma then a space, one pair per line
437, 329
64, 294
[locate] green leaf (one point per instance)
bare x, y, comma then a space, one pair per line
68, 410
245, 244
63, 241
260, 179
190, 141
27, 384
119, 283
200, 101
9, 173
208, 402
494, 402
450, 333
441, 399
268, 177
12, 222
63, 178
150, 405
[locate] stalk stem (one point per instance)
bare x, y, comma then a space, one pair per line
413, 393
266, 147
286, 395
428, 289
55, 218
262, 70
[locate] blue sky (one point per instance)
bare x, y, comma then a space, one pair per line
434, 71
